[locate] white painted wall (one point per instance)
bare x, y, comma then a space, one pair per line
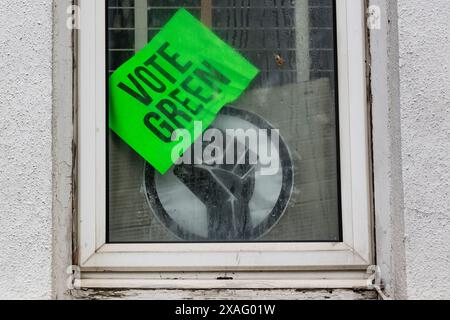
410, 83
25, 149
424, 50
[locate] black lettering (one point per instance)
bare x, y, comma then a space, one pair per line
152, 62
169, 109
142, 96
158, 86
173, 59
195, 92
163, 126
186, 102
211, 76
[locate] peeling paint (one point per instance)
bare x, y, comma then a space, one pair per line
269, 294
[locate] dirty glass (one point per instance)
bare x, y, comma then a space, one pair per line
292, 43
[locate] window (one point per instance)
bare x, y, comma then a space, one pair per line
310, 214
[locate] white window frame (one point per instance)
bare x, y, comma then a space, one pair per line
287, 265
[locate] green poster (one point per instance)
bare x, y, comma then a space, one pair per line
185, 74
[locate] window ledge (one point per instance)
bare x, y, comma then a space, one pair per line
258, 280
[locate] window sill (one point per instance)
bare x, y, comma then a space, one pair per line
207, 281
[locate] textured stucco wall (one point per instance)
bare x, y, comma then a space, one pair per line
25, 149
424, 50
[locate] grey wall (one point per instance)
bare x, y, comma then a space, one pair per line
25, 149
424, 50
411, 121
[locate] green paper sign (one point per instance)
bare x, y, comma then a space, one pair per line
185, 74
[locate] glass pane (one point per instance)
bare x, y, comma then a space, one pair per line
293, 44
